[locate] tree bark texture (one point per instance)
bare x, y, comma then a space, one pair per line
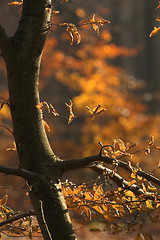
22, 54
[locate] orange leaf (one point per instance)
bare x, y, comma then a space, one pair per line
46, 126
154, 32
16, 3
3, 201
70, 109
53, 111
64, 1
158, 18
151, 141
12, 149
43, 105
147, 151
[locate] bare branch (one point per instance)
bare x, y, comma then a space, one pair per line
72, 164
17, 217
120, 182
28, 175
7, 129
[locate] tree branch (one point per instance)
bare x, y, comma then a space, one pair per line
19, 216
28, 175
72, 164
120, 181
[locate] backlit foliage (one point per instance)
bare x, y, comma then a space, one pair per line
156, 30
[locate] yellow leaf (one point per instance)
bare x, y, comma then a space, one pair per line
88, 196
53, 111
154, 32
70, 109
151, 141
46, 126
129, 193
12, 149
16, 3
149, 204
98, 209
3, 201
144, 188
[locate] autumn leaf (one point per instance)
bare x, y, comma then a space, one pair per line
158, 19
53, 111
97, 23
70, 109
73, 32
43, 105
16, 3
147, 151
149, 204
151, 141
12, 149
95, 111
64, 1
154, 32
158, 5
46, 126
3, 201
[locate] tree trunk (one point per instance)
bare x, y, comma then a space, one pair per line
22, 54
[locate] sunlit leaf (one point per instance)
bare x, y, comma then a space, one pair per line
151, 141
46, 126
53, 111
95, 111
16, 3
155, 31
43, 105
64, 1
3, 201
147, 151
70, 109
13, 148
149, 204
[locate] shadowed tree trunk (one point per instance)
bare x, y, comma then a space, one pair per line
38, 164
22, 54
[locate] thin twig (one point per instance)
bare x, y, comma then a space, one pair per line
7, 129
19, 216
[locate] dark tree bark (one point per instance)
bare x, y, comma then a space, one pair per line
38, 163
22, 54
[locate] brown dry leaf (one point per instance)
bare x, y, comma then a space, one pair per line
154, 32
16, 3
70, 109
46, 126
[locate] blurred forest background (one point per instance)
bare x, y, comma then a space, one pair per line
119, 68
